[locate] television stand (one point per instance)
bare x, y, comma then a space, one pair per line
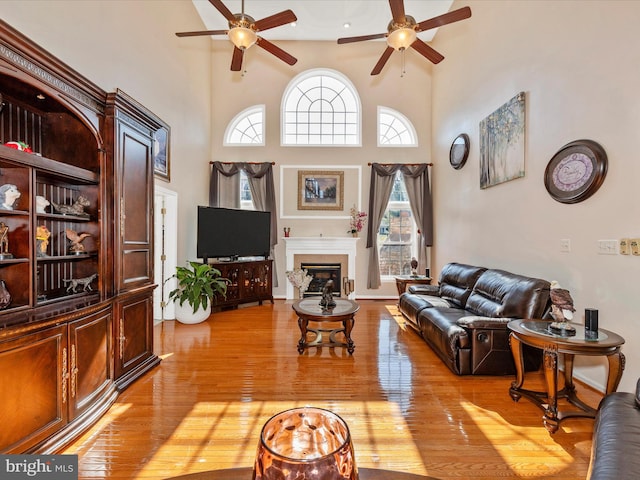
249, 281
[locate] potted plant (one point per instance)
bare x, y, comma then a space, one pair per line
198, 285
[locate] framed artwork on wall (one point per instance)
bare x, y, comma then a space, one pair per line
502, 143
161, 152
320, 190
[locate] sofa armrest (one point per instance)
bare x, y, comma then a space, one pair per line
473, 322
433, 290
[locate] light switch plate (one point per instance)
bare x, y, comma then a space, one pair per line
624, 246
634, 244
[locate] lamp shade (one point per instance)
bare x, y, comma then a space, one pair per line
401, 38
242, 37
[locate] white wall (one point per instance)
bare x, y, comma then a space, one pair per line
265, 82
132, 45
578, 64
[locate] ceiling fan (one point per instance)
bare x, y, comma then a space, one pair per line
402, 33
243, 33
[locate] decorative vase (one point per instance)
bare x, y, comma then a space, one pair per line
354, 234
184, 313
305, 443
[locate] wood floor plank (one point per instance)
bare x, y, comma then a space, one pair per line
220, 381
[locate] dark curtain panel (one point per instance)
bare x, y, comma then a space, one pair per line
416, 179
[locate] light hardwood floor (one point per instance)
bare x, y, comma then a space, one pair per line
219, 381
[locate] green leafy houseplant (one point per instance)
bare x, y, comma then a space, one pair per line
198, 284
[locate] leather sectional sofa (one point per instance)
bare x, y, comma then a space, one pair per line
615, 451
464, 318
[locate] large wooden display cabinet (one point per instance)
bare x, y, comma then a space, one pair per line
65, 350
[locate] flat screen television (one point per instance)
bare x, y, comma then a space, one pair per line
231, 233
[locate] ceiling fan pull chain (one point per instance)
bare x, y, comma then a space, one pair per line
403, 64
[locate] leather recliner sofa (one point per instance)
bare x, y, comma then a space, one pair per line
615, 450
464, 318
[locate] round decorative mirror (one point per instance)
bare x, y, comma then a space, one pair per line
459, 151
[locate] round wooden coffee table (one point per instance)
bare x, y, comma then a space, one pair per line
309, 310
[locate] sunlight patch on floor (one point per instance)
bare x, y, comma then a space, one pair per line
397, 316
225, 435
514, 437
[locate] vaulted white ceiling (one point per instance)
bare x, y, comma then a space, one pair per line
320, 19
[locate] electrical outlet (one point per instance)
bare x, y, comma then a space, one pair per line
607, 247
624, 246
565, 245
634, 244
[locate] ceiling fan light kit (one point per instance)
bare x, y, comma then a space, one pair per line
242, 37
402, 38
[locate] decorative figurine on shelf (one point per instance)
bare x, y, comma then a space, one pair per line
561, 309
327, 300
9, 195
41, 204
42, 240
85, 283
4, 242
76, 209
5, 296
414, 267
19, 146
75, 239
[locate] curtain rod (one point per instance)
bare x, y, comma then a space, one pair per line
231, 163
409, 164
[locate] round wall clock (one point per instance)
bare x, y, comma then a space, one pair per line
576, 171
459, 151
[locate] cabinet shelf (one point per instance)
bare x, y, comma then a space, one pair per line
63, 217
13, 261
61, 258
13, 212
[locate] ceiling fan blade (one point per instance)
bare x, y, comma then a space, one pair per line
202, 32
383, 60
236, 60
276, 20
426, 51
447, 18
397, 11
223, 10
361, 38
277, 51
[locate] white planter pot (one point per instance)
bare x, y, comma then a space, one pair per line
184, 313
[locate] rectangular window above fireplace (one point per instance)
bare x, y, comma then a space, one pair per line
321, 272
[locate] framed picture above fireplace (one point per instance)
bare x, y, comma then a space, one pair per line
320, 190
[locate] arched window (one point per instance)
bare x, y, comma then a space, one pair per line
394, 129
321, 107
246, 128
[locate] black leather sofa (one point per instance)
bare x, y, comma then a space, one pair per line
615, 451
464, 318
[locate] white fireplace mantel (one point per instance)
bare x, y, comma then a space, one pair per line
320, 246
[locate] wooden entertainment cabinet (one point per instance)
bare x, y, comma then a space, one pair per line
68, 348
249, 281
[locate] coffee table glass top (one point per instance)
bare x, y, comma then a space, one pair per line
312, 306
542, 328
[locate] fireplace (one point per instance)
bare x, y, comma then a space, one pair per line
310, 250
321, 272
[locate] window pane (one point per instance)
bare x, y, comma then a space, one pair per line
397, 233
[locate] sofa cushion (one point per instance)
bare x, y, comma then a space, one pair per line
503, 294
457, 281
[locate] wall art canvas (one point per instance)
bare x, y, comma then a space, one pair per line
502, 143
320, 190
